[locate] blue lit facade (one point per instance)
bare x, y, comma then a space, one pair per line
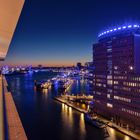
116, 77
119, 29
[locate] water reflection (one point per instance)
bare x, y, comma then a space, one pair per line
17, 85
45, 91
68, 120
126, 138
80, 87
82, 126
67, 116
115, 135
43, 118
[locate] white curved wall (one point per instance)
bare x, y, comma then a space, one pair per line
9, 14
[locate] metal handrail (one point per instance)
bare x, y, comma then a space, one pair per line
1, 111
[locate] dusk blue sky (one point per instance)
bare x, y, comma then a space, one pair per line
61, 32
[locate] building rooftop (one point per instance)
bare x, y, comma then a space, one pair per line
120, 29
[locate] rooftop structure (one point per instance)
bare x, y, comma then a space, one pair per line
130, 28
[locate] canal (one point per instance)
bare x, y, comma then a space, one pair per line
46, 119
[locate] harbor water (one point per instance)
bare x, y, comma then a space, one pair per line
44, 118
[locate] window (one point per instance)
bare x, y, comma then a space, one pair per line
109, 105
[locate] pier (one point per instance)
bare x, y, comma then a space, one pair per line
78, 98
70, 104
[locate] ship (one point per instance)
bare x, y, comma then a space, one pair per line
40, 85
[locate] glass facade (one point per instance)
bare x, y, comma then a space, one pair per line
116, 79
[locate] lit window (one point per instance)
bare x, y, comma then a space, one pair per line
109, 105
108, 96
130, 67
109, 82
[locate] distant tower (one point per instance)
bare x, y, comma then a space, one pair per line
40, 66
79, 66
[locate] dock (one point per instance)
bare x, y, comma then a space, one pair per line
70, 105
78, 97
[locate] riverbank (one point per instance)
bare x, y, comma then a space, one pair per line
110, 124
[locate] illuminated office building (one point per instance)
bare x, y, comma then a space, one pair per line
116, 77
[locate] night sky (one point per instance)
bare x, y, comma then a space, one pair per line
61, 32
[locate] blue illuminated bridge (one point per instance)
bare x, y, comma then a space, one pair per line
131, 28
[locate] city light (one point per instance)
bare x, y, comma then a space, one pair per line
133, 26
121, 73
129, 26
124, 27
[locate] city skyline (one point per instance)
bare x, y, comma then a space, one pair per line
69, 69
65, 31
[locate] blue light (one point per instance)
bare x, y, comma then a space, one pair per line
124, 27
129, 26
135, 26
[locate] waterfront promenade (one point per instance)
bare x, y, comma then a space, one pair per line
15, 130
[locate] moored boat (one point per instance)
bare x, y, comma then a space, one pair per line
42, 85
93, 120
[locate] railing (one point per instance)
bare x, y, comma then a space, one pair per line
1, 112
15, 130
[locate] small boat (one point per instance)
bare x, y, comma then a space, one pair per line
94, 121
46, 85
